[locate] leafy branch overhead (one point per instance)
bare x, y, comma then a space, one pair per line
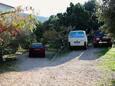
14, 25
107, 15
76, 17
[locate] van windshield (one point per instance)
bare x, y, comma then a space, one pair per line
76, 34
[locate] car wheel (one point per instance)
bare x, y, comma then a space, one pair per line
30, 55
42, 55
95, 45
110, 45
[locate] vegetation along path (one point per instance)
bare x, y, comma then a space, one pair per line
78, 68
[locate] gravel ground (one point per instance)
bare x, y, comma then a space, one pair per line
78, 68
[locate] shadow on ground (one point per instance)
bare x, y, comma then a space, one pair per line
23, 63
94, 53
103, 51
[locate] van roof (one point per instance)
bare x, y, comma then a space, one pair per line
78, 31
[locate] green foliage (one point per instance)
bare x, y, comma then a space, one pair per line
76, 14
80, 16
90, 6
55, 30
39, 32
15, 30
52, 37
107, 12
25, 40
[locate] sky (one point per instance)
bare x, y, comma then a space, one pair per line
43, 7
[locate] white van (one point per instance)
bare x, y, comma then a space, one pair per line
78, 38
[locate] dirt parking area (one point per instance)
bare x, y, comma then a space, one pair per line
78, 68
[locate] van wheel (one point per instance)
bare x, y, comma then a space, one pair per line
85, 46
70, 47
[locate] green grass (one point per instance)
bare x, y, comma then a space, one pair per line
108, 60
113, 82
110, 83
103, 52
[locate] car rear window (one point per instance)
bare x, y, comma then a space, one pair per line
76, 34
37, 45
99, 34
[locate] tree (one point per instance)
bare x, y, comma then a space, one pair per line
56, 39
76, 17
91, 7
108, 16
39, 32
76, 14
13, 25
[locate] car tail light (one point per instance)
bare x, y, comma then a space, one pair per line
97, 39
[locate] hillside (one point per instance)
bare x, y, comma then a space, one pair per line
42, 19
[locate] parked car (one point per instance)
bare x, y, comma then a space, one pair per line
100, 38
77, 38
37, 50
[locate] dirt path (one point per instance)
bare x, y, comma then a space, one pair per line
76, 69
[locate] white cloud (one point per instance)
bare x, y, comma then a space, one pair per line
44, 7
